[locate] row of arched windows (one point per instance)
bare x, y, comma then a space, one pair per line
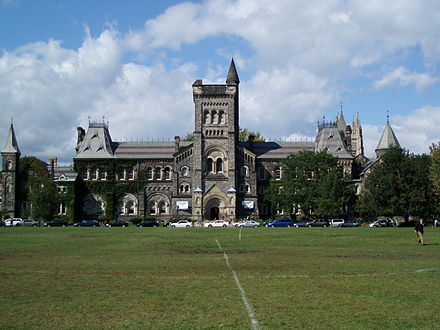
214, 166
159, 173
214, 117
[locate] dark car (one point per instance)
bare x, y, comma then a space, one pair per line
87, 223
383, 223
2, 223
285, 222
301, 224
148, 223
119, 223
349, 224
30, 223
317, 223
56, 223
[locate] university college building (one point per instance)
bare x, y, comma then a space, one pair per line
214, 176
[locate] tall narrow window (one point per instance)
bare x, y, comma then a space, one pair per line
219, 165
130, 173
278, 173
158, 173
222, 118
209, 165
167, 173
214, 119
149, 173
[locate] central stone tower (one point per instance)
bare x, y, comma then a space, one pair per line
215, 146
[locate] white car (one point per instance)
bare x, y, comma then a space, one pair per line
12, 222
181, 224
217, 223
249, 223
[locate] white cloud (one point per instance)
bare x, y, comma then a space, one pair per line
403, 77
302, 53
415, 131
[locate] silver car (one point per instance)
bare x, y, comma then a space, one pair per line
249, 223
30, 223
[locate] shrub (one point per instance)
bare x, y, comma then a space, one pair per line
136, 220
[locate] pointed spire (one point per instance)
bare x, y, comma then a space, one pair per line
11, 141
388, 138
341, 122
232, 78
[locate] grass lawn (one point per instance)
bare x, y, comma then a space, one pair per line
162, 278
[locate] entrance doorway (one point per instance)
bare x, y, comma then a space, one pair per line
214, 213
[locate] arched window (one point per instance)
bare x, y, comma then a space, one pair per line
130, 173
244, 171
93, 173
222, 118
219, 165
158, 173
247, 188
162, 207
214, 119
184, 171
130, 208
207, 117
209, 165
150, 173
167, 173
278, 173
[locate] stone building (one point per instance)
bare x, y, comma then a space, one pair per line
214, 176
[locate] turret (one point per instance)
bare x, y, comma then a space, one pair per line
387, 140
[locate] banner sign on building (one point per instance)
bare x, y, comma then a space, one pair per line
182, 205
248, 205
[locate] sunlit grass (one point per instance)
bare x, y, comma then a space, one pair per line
177, 278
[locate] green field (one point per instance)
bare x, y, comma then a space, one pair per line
164, 278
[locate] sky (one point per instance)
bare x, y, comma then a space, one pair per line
132, 63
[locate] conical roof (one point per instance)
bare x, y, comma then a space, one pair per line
341, 122
232, 78
388, 138
11, 142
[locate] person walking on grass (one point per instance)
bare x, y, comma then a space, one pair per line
419, 231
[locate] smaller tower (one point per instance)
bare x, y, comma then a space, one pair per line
10, 168
387, 140
357, 142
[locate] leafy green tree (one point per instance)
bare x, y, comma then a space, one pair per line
399, 185
434, 169
38, 188
314, 182
244, 134
188, 137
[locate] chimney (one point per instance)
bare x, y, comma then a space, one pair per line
251, 139
176, 143
53, 163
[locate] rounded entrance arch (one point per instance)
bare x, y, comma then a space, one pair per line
214, 209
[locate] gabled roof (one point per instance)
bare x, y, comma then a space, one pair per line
63, 172
11, 142
329, 139
388, 138
232, 78
97, 143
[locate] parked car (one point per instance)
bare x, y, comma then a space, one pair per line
119, 223
181, 224
87, 223
30, 223
383, 223
217, 223
148, 223
56, 223
301, 224
285, 222
14, 222
335, 222
349, 224
2, 223
317, 223
250, 223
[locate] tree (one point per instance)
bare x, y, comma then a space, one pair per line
314, 182
434, 169
38, 188
399, 185
188, 137
244, 134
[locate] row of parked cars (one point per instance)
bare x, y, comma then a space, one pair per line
283, 222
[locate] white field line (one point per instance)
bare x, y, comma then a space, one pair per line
249, 309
